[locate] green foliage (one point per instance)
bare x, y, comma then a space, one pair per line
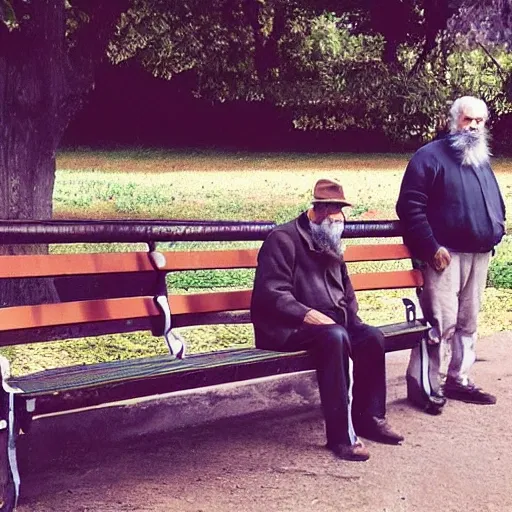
209, 279
500, 268
385, 66
500, 274
359, 209
123, 196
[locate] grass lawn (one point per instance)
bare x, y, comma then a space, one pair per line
235, 186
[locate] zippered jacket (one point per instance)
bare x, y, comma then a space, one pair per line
445, 203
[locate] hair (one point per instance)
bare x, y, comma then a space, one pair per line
457, 107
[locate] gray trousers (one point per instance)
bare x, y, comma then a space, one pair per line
450, 301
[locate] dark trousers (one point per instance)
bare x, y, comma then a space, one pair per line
331, 347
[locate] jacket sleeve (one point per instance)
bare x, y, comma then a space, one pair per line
411, 208
273, 284
350, 296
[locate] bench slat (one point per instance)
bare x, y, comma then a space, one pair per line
210, 302
248, 258
376, 252
52, 265
68, 313
241, 299
209, 260
387, 280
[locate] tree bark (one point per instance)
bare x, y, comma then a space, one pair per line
31, 83
43, 82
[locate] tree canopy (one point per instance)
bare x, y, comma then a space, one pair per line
394, 64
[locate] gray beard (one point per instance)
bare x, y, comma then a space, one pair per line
327, 236
472, 147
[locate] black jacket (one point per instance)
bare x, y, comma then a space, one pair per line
445, 203
293, 277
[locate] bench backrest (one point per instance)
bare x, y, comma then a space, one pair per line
46, 322
233, 300
105, 315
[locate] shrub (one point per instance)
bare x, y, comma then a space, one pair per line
500, 274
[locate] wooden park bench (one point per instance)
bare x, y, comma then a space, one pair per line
149, 308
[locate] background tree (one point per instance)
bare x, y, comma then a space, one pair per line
389, 66
48, 52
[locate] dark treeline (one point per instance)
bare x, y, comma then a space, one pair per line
130, 108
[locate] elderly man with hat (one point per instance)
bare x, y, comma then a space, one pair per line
303, 300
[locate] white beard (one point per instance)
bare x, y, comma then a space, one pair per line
472, 146
327, 236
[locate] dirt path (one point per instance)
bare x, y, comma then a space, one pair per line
459, 461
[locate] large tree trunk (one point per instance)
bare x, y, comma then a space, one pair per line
30, 87
46, 69
27, 170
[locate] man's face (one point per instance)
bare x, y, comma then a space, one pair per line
472, 118
331, 211
327, 227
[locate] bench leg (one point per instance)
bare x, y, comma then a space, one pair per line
423, 378
9, 475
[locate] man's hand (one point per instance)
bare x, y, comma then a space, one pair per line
314, 317
441, 259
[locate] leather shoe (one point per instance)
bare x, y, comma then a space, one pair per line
431, 404
378, 429
354, 452
469, 393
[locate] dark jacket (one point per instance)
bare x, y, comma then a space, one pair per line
445, 203
293, 277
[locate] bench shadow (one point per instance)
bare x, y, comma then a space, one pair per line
65, 461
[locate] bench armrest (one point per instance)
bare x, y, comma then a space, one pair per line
410, 310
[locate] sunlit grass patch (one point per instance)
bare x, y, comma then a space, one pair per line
145, 184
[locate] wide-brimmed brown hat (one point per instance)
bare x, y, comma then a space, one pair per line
329, 191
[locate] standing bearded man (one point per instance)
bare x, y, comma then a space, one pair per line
453, 216
303, 300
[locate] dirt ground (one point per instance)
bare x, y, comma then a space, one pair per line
459, 461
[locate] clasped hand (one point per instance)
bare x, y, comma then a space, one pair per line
441, 259
314, 317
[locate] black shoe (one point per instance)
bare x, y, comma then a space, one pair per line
469, 394
438, 397
431, 404
378, 429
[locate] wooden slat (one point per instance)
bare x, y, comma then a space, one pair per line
241, 299
70, 313
67, 313
51, 265
192, 372
205, 260
210, 302
247, 258
387, 280
376, 252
